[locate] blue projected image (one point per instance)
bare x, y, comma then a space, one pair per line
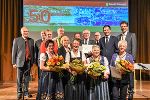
74, 17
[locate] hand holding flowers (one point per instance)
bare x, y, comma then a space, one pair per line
55, 63
124, 66
95, 69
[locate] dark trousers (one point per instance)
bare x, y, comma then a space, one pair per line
131, 83
23, 75
119, 91
110, 87
39, 70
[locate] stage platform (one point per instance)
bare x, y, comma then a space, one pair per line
8, 90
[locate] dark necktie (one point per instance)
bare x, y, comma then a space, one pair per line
106, 40
97, 42
27, 50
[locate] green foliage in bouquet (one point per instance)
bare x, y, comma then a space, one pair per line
95, 69
77, 66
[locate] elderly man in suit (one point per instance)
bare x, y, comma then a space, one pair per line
86, 41
37, 50
86, 38
131, 48
97, 37
22, 59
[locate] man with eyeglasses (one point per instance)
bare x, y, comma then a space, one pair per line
86, 41
23, 59
97, 37
86, 38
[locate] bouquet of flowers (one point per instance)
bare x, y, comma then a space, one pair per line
124, 66
55, 63
95, 69
77, 66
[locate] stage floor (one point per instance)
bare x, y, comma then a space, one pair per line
8, 90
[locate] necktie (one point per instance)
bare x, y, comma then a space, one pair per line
122, 36
27, 50
58, 42
97, 42
106, 40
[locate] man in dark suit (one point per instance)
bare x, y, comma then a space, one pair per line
86, 41
97, 37
37, 51
23, 59
86, 38
108, 45
131, 48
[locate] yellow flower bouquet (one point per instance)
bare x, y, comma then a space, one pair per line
77, 66
95, 69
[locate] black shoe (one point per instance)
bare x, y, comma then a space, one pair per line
28, 95
19, 96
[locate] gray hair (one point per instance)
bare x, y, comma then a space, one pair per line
95, 46
123, 42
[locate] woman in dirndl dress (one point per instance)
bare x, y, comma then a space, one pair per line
50, 85
120, 86
98, 88
75, 89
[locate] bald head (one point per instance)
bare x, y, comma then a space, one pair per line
24, 32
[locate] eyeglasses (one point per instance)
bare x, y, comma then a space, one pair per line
25, 31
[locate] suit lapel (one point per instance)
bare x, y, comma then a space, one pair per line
127, 37
21, 43
103, 41
110, 39
119, 37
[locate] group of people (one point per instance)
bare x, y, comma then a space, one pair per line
53, 86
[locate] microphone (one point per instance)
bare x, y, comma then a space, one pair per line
140, 64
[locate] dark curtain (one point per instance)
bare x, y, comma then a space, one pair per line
139, 19
11, 21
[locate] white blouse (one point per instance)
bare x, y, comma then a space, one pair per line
67, 60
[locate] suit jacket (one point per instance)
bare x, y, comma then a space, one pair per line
62, 51
37, 51
90, 42
18, 51
95, 42
110, 49
131, 43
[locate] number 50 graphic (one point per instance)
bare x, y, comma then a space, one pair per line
39, 16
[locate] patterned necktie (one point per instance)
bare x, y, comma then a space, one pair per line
27, 50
